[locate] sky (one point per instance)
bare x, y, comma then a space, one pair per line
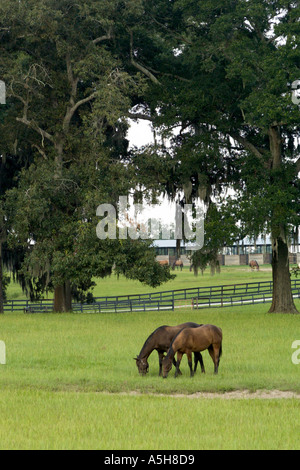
139, 134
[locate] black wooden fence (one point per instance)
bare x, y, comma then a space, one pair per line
196, 297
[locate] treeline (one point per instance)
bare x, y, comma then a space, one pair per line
215, 78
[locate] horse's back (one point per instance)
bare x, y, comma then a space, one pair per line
215, 330
211, 333
189, 324
164, 335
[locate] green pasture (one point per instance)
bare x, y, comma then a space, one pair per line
71, 382
35, 419
111, 286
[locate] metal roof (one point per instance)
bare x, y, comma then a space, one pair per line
248, 241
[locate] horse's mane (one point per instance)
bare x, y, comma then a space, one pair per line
149, 338
171, 350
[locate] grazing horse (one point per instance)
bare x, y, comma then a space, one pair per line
194, 340
164, 262
160, 340
254, 265
178, 263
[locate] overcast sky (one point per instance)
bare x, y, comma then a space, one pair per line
139, 134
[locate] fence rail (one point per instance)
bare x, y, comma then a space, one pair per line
200, 297
235, 300
194, 292
125, 306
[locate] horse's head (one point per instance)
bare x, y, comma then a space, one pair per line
142, 365
166, 366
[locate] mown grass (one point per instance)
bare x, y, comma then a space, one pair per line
94, 352
34, 419
63, 384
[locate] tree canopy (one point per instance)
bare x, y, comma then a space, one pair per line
226, 70
214, 77
69, 91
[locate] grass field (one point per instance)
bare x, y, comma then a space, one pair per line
111, 286
70, 381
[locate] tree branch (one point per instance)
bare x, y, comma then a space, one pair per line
246, 144
41, 151
182, 79
73, 105
176, 35
73, 81
34, 126
140, 67
105, 37
71, 111
24, 120
140, 116
298, 165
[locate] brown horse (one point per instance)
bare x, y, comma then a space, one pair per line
164, 262
194, 340
160, 340
254, 265
178, 263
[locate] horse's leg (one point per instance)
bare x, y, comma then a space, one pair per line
196, 358
212, 355
189, 356
160, 359
218, 348
199, 358
179, 357
175, 364
214, 351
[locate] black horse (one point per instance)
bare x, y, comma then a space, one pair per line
160, 340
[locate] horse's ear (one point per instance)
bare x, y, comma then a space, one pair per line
135, 358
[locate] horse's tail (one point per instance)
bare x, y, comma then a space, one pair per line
220, 351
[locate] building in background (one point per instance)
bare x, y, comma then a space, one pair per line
238, 254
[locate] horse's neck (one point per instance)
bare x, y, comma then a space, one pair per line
146, 349
170, 353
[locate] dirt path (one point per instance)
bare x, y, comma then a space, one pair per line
236, 394
246, 394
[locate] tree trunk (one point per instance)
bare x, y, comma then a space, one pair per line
63, 298
1, 286
283, 301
